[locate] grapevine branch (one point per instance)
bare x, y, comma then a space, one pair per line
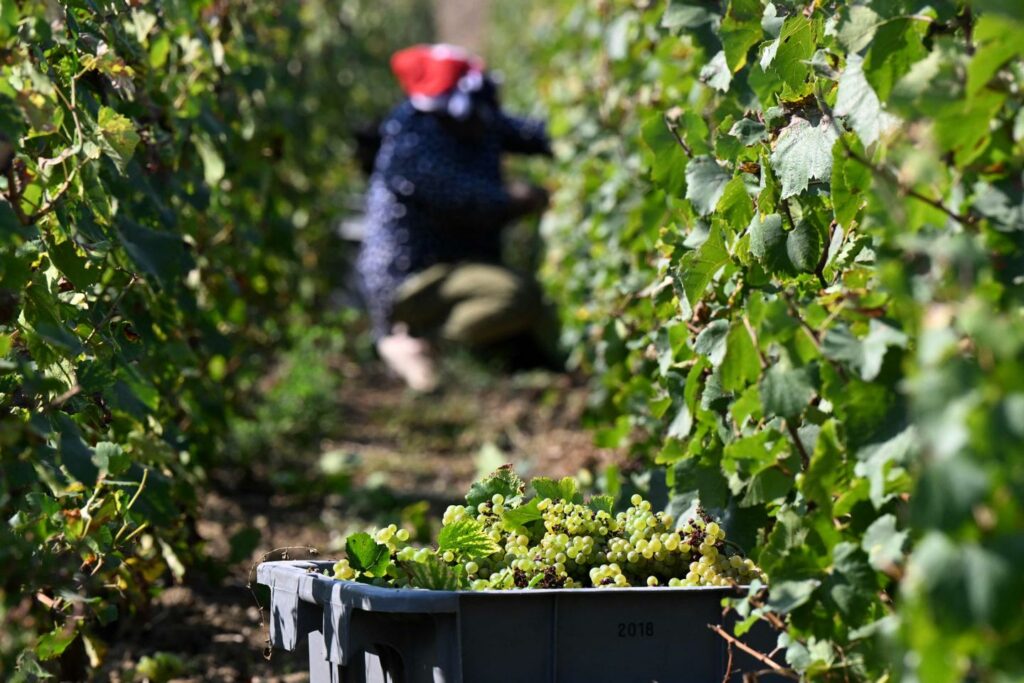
759, 656
113, 308
968, 220
805, 458
672, 128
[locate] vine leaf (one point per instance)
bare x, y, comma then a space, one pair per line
768, 243
685, 15
803, 152
863, 355
788, 595
740, 366
466, 538
503, 480
118, 137
883, 543
850, 180
859, 28
793, 50
716, 74
749, 131
698, 267
705, 183
998, 41
785, 391
711, 341
897, 45
740, 30
858, 101
565, 489
524, 514
160, 254
803, 247
668, 162
433, 574
366, 555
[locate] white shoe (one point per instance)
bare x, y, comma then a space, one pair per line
410, 358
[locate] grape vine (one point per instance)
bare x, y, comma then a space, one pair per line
789, 236
170, 176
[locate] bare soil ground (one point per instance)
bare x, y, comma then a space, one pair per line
394, 449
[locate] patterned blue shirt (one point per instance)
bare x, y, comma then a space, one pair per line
435, 197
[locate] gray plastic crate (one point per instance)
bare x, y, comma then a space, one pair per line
364, 634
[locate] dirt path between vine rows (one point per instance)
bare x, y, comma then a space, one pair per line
393, 456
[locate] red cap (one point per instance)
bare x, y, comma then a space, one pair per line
432, 70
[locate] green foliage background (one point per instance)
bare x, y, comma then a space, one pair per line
172, 176
788, 236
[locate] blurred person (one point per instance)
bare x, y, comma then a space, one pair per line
430, 263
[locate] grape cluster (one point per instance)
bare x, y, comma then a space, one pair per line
573, 545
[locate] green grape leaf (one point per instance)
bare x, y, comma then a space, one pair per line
1003, 204
433, 574
858, 28
53, 644
711, 341
947, 493
735, 207
786, 596
681, 424
741, 365
523, 514
603, 503
998, 41
467, 539
749, 131
823, 474
803, 152
680, 14
697, 268
767, 485
503, 480
705, 183
75, 455
716, 74
740, 30
877, 461
962, 126
366, 555
668, 162
850, 180
896, 46
159, 254
853, 581
565, 489
966, 583
110, 458
795, 47
786, 391
118, 138
768, 243
883, 543
857, 101
864, 355
803, 247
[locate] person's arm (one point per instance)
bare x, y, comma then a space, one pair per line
523, 135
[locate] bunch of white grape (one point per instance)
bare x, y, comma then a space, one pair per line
573, 545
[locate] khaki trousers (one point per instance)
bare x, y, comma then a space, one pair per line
475, 304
